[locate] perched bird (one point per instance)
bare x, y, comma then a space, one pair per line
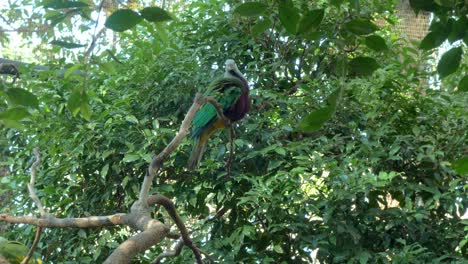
232, 92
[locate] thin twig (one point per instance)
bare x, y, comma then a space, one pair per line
34, 245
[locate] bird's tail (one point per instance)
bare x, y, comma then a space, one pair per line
200, 144
197, 152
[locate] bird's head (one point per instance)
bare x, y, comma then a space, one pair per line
232, 70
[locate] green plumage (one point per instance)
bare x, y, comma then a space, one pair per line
226, 91
227, 98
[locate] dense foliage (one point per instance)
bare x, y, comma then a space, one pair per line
348, 154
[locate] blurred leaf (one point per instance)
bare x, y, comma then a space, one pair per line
131, 157
423, 5
362, 66
67, 45
22, 97
261, 26
360, 26
463, 84
155, 14
311, 21
122, 20
459, 29
16, 113
461, 166
72, 70
315, 120
251, 9
74, 101
60, 4
449, 62
376, 43
85, 110
289, 16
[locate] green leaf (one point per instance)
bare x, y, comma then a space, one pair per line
362, 66
261, 26
122, 20
107, 67
424, 5
315, 120
289, 16
104, 170
460, 166
278, 249
85, 110
376, 43
71, 70
20, 96
13, 124
16, 113
74, 101
155, 14
360, 26
432, 40
251, 9
66, 45
131, 157
60, 4
311, 21
449, 62
459, 29
463, 84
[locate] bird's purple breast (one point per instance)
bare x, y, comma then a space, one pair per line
240, 108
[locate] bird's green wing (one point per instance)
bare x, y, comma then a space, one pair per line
232, 90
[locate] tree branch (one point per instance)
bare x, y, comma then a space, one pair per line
33, 247
170, 208
51, 221
32, 182
136, 244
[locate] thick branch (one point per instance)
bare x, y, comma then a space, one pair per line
136, 244
50, 221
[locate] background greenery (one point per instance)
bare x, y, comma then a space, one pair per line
353, 151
